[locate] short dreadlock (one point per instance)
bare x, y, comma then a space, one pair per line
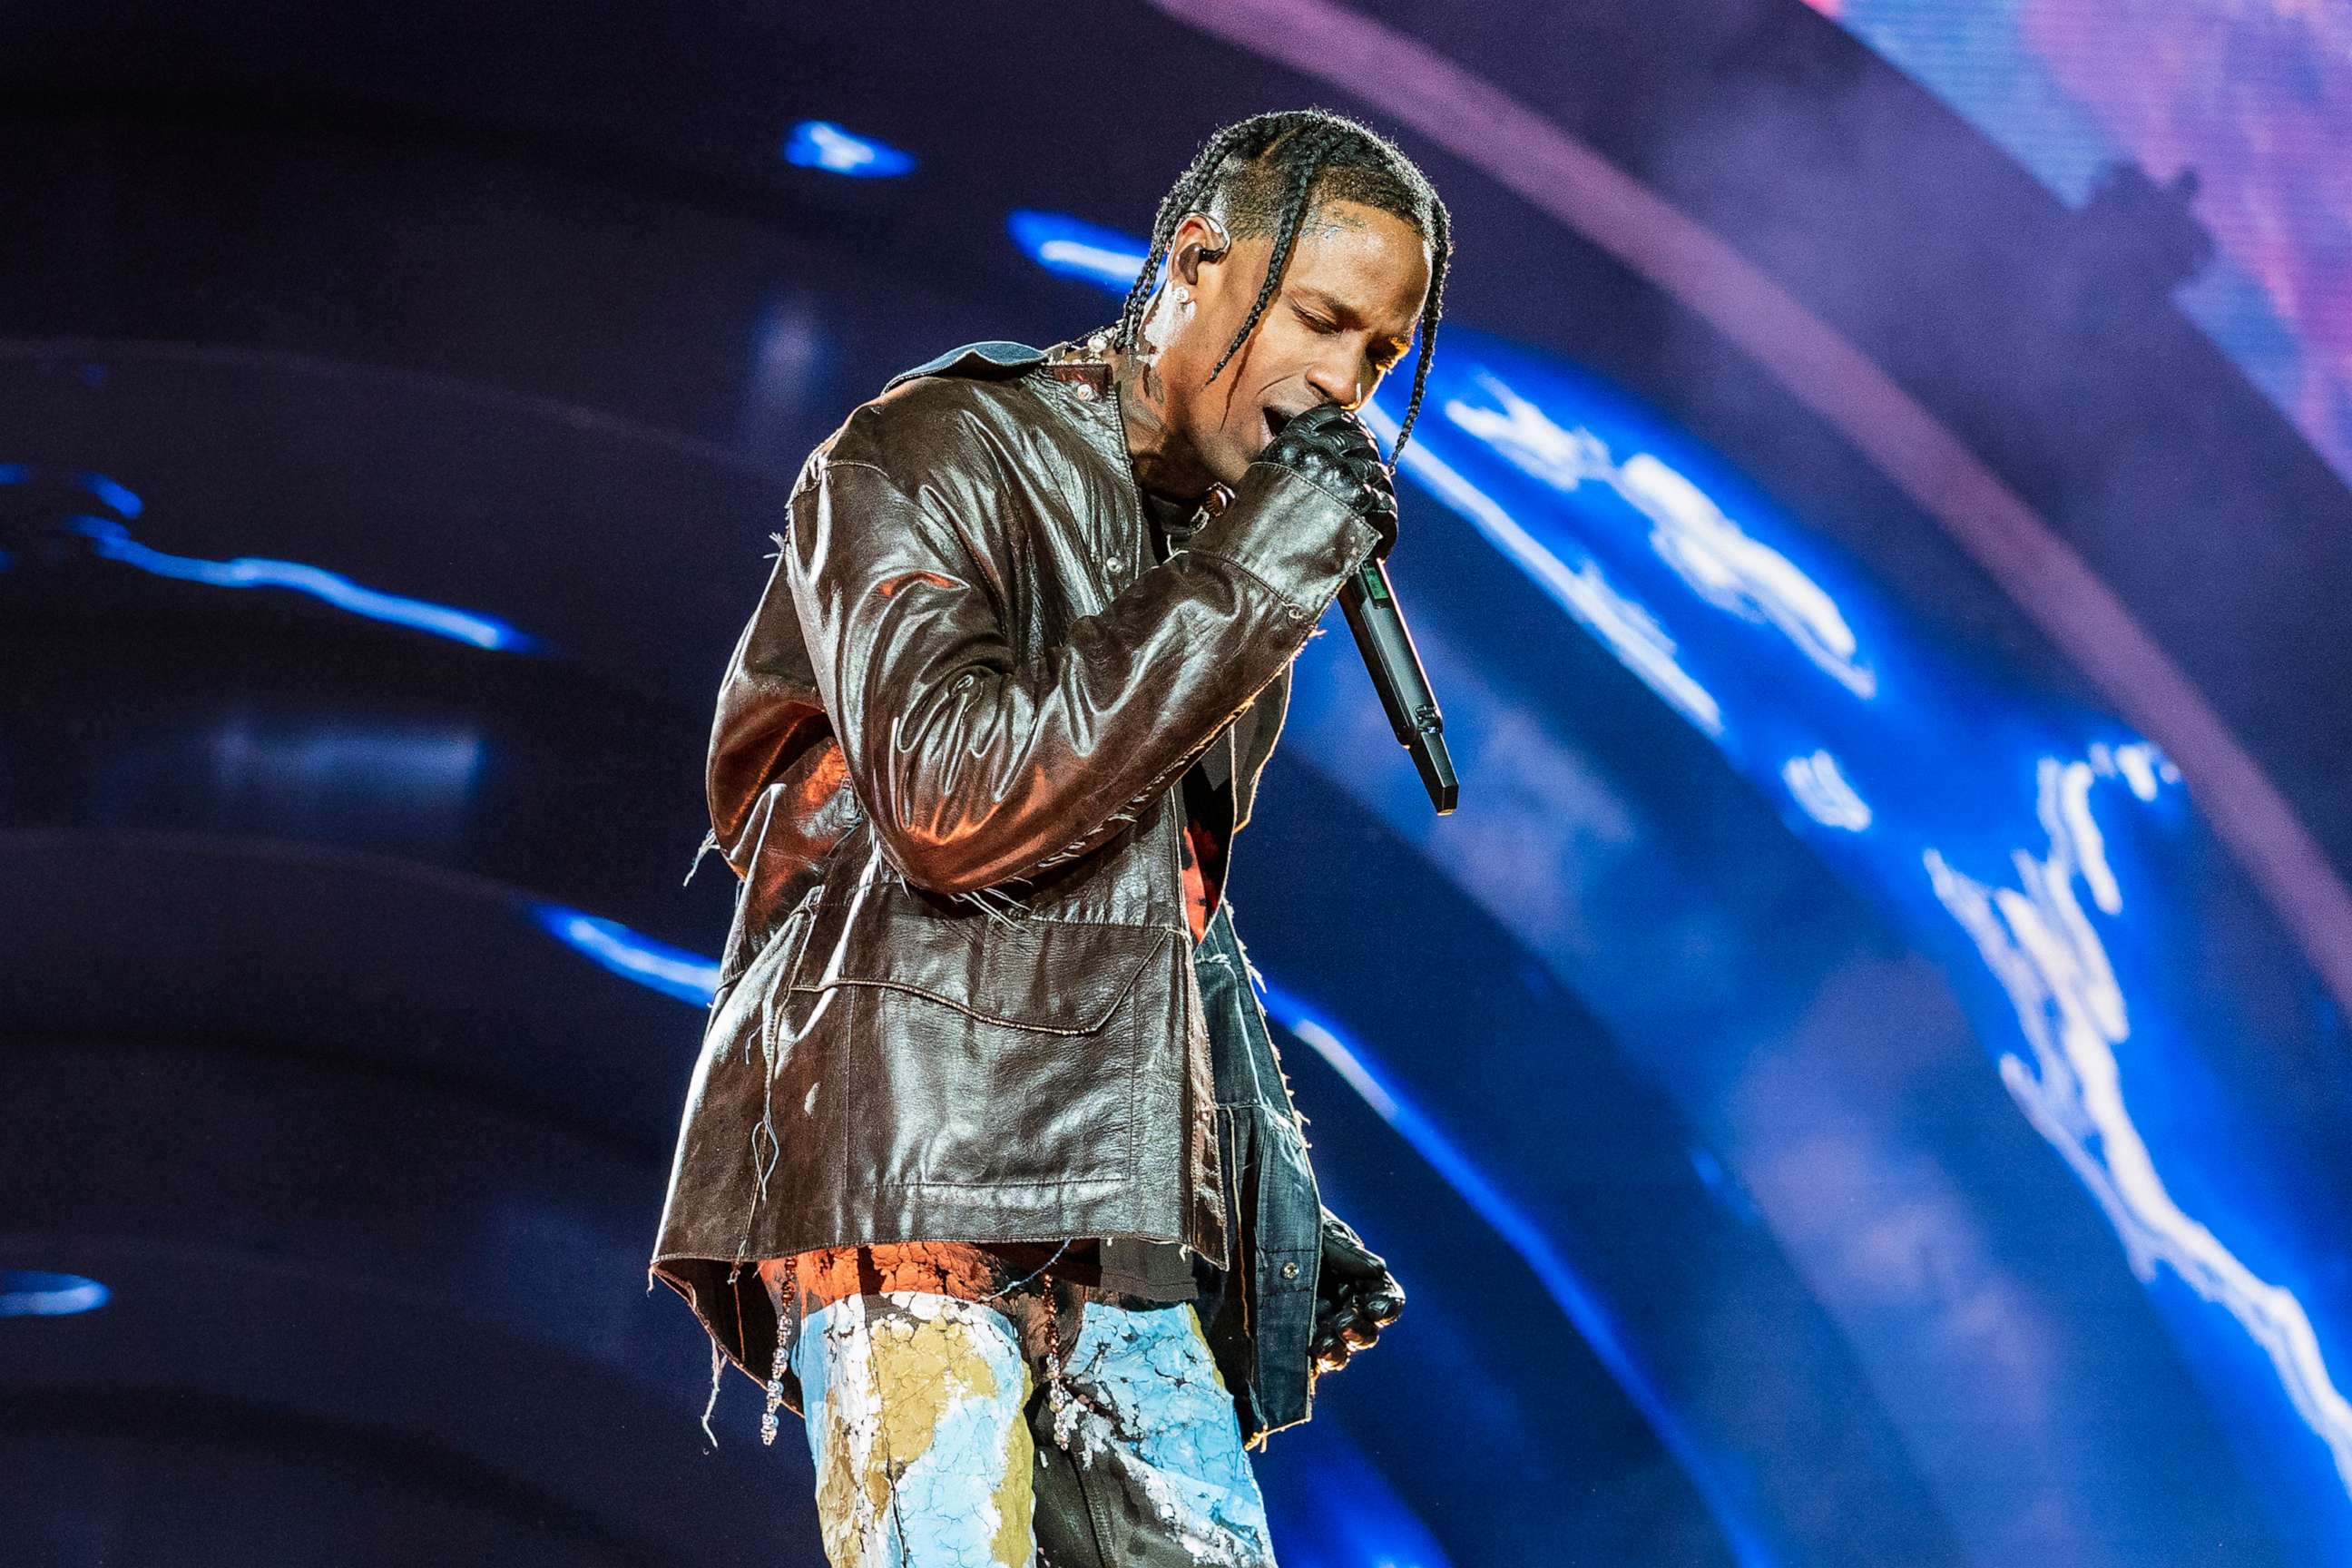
1263, 176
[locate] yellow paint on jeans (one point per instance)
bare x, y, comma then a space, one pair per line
837, 1487
921, 1366
1013, 1544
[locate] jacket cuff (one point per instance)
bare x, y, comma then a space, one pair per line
1291, 534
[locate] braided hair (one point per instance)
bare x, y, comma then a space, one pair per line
1263, 176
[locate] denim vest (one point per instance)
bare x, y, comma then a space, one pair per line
1260, 1315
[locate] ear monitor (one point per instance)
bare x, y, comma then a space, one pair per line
1225, 240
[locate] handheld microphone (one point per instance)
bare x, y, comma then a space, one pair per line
1392, 660
1386, 643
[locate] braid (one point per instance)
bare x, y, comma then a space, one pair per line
1441, 245
1261, 176
1182, 199
1314, 146
1130, 314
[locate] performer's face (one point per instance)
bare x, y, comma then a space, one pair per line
1344, 316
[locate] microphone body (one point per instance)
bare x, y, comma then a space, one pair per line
1394, 665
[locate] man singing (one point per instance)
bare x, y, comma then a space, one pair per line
989, 1170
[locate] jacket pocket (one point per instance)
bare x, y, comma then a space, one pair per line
974, 1054
1052, 977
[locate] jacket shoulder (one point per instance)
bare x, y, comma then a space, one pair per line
939, 416
998, 359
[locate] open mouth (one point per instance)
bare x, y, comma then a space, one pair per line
1274, 419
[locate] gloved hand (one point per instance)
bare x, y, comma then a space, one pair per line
1330, 445
1355, 1295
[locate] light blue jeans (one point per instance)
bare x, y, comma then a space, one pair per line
943, 1441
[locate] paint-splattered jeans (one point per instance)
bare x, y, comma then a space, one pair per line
941, 1441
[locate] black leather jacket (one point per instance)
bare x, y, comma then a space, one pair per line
960, 998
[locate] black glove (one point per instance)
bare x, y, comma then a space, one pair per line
1355, 1296
1330, 445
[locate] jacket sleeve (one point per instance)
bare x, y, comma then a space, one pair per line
978, 767
773, 777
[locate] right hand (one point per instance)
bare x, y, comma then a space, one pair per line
1331, 446
1356, 1297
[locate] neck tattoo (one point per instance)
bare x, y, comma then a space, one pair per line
1152, 442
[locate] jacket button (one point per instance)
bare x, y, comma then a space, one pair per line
1290, 1271
1086, 391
